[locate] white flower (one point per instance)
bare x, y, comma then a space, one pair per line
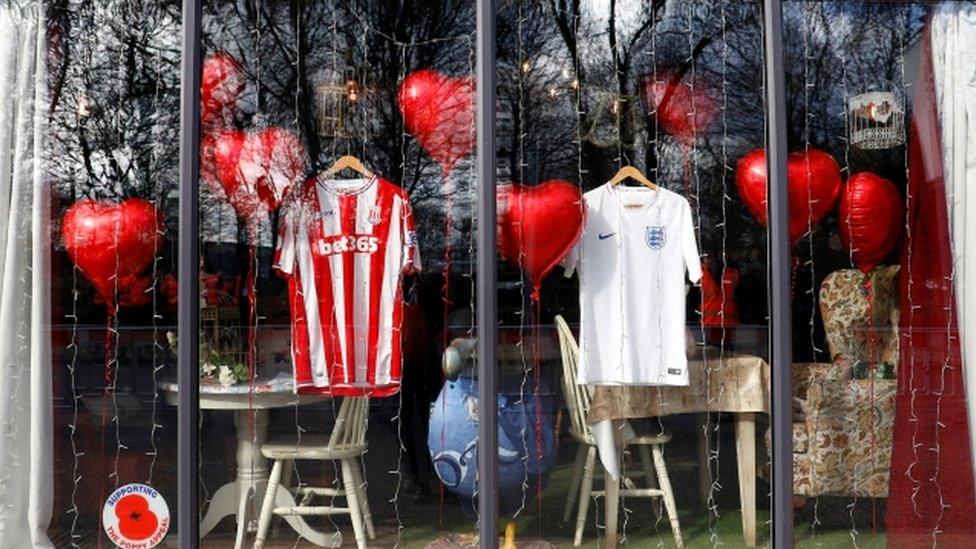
208, 369
226, 376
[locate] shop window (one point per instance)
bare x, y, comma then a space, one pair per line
338, 240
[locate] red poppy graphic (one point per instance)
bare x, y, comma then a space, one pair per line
136, 520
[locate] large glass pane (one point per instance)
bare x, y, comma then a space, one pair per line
880, 127
89, 118
650, 359
336, 152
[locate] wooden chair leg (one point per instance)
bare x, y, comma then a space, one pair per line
586, 490
665, 483
574, 481
352, 502
287, 472
363, 501
648, 468
267, 506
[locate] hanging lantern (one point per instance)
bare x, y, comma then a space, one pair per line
352, 90
876, 121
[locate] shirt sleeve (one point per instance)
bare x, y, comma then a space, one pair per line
284, 258
411, 248
689, 246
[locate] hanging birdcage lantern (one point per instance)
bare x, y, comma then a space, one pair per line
876, 120
331, 102
337, 93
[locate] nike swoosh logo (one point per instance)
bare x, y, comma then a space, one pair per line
605, 236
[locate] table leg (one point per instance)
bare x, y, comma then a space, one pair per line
612, 487
745, 446
252, 469
612, 497
223, 503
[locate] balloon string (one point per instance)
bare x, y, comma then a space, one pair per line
537, 366
686, 168
446, 300
108, 376
874, 363
252, 304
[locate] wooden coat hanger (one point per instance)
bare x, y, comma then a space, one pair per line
630, 172
347, 162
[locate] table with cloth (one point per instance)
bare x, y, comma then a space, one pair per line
734, 383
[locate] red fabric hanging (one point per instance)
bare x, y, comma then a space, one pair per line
931, 498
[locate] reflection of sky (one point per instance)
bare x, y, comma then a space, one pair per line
629, 14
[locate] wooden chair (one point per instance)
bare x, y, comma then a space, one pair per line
346, 444
578, 404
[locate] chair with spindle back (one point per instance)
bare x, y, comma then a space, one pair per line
346, 444
578, 404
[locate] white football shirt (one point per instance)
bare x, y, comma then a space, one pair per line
344, 246
636, 247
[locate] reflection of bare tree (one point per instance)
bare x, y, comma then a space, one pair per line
113, 131
286, 47
617, 46
290, 50
612, 47
116, 81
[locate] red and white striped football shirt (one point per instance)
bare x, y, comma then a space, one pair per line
343, 246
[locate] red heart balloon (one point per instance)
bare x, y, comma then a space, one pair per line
439, 111
221, 84
537, 226
871, 218
112, 244
253, 170
682, 112
814, 183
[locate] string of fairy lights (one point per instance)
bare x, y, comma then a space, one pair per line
85, 15
710, 429
846, 31
761, 47
523, 66
907, 334
401, 448
157, 348
806, 24
472, 266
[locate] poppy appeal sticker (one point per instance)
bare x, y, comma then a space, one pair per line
135, 516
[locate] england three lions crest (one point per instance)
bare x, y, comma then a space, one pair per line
656, 237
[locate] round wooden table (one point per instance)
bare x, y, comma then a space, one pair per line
242, 497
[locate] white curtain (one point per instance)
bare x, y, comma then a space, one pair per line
26, 437
954, 62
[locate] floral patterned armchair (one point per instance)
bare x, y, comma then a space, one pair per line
844, 410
